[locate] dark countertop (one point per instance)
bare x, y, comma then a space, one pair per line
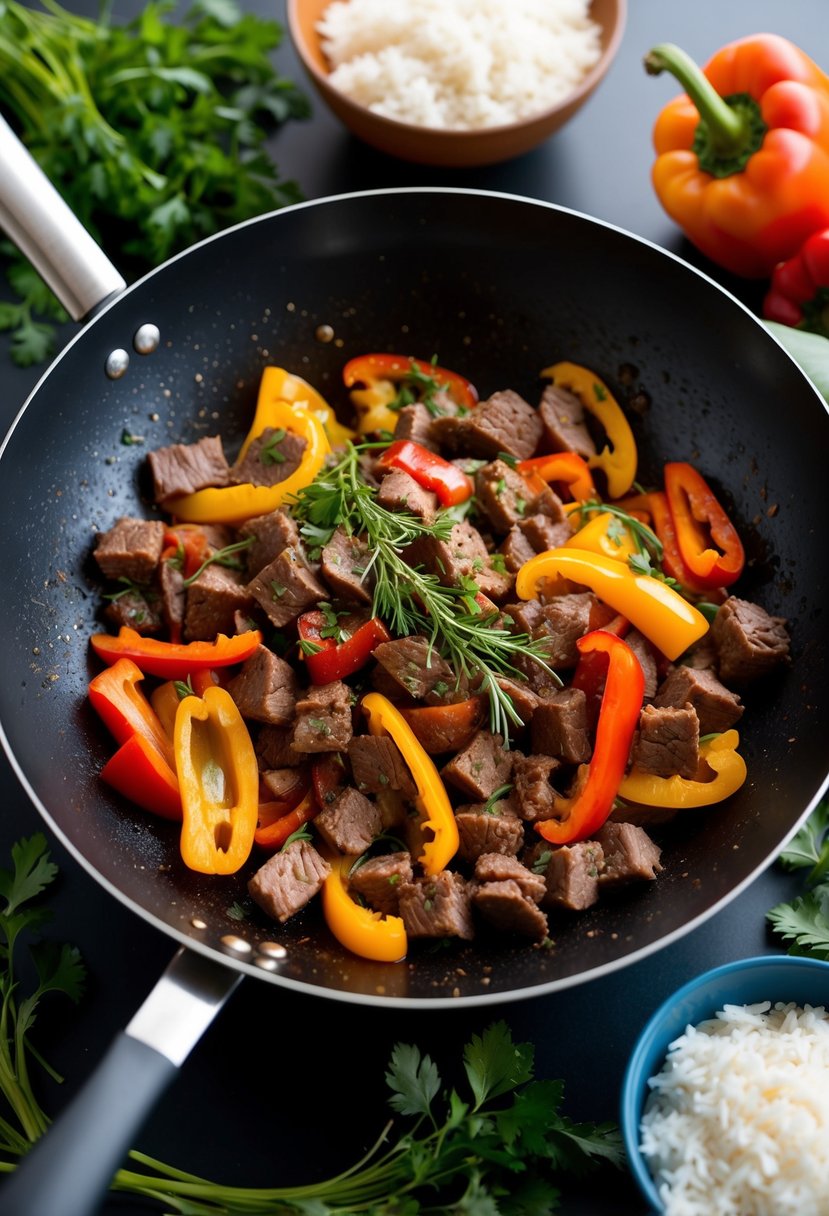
286, 1088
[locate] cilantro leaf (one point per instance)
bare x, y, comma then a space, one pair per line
31, 874
804, 921
414, 1080
495, 1065
810, 845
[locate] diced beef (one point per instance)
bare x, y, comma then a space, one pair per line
380, 879
525, 701
560, 727
350, 823
173, 597
503, 905
377, 765
503, 423
184, 468
545, 532
288, 880
503, 495
497, 867
400, 492
629, 853
535, 796
271, 534
437, 907
717, 708
749, 641
415, 666
565, 427
139, 609
516, 549
286, 587
462, 555
415, 422
212, 603
481, 768
323, 721
494, 831
280, 782
265, 688
666, 742
702, 654
345, 567
130, 549
272, 457
273, 748
571, 873
564, 620
644, 652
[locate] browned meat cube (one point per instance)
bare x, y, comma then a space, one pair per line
345, 567
565, 427
629, 853
377, 765
516, 549
503, 423
462, 555
350, 823
498, 867
437, 907
497, 830
415, 422
286, 587
184, 468
273, 748
173, 596
130, 549
400, 492
503, 906
535, 796
279, 782
323, 721
212, 603
544, 532
646, 655
272, 457
503, 495
481, 768
571, 873
717, 708
525, 701
560, 727
415, 666
380, 879
289, 880
564, 620
271, 534
138, 609
265, 688
666, 742
749, 641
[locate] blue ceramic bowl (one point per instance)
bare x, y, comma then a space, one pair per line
745, 982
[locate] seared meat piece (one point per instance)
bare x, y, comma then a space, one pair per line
400, 492
702, 654
503, 495
571, 873
286, 587
666, 742
629, 853
534, 795
462, 555
516, 549
524, 700
271, 533
323, 721
749, 641
212, 603
497, 830
376, 765
350, 823
560, 727
183, 468
504, 906
344, 563
437, 907
544, 531
415, 422
265, 688
564, 620
273, 748
503, 423
565, 427
415, 666
272, 457
497, 867
288, 880
717, 708
644, 652
173, 596
130, 549
380, 879
140, 610
481, 768
279, 782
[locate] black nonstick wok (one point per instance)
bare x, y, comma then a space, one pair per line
498, 287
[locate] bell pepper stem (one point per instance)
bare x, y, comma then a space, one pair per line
728, 130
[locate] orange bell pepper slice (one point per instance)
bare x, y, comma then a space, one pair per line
140, 773
708, 542
364, 932
125, 711
174, 660
566, 467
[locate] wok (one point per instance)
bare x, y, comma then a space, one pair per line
498, 286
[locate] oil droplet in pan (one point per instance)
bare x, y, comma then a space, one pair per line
324, 333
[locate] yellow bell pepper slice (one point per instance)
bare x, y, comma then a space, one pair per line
432, 800
605, 534
218, 777
617, 460
277, 385
235, 504
720, 753
372, 406
657, 611
361, 930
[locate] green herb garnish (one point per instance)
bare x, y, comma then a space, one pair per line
805, 920
222, 557
270, 452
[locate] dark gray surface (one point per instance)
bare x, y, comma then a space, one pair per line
239, 1111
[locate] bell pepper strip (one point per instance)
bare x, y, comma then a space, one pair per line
605, 533
672, 561
362, 931
432, 801
278, 386
328, 659
235, 504
139, 772
742, 156
708, 542
165, 701
174, 660
597, 784
720, 754
798, 294
429, 470
219, 781
591, 670
566, 468
124, 709
445, 728
654, 608
274, 828
617, 459
328, 777
400, 369
187, 545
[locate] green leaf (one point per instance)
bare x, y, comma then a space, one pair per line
414, 1080
810, 845
805, 921
811, 351
495, 1065
534, 1111
31, 874
59, 969
531, 1196
33, 342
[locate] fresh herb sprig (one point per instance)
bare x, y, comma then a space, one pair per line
804, 921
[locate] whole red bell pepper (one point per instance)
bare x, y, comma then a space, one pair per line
368, 369
174, 660
140, 773
799, 290
742, 159
429, 470
708, 543
331, 658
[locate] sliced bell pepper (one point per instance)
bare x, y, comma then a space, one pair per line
165, 701
597, 783
429, 470
445, 728
187, 545
362, 931
605, 533
235, 504
277, 386
174, 660
275, 825
663, 526
125, 711
140, 773
328, 777
432, 800
326, 658
708, 542
370, 369
659, 612
720, 754
591, 670
219, 780
563, 467
618, 457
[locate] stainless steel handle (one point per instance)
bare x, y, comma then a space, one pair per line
45, 229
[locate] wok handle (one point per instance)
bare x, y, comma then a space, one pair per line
44, 228
68, 1170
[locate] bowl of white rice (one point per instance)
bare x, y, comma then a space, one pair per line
455, 82
725, 1101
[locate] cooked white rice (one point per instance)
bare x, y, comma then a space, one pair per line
737, 1123
459, 64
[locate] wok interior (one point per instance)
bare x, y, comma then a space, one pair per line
498, 288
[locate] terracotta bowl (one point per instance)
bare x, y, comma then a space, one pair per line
433, 146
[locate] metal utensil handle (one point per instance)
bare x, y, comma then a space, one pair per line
44, 228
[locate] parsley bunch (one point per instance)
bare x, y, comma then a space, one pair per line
153, 132
805, 920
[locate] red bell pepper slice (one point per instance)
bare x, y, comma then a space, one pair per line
174, 660
563, 467
367, 369
140, 773
707, 540
328, 659
271, 833
429, 470
597, 783
591, 670
189, 543
672, 561
125, 711
328, 777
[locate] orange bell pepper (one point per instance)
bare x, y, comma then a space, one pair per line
174, 660
115, 696
566, 467
140, 773
742, 156
275, 824
708, 542
362, 931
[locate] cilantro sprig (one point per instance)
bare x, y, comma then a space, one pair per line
804, 921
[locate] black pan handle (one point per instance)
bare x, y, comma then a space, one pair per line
69, 1169
44, 228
